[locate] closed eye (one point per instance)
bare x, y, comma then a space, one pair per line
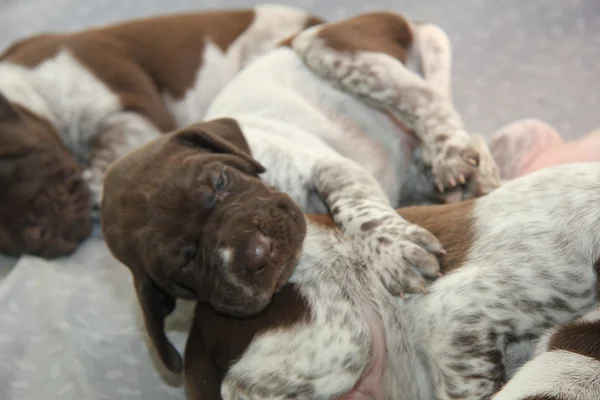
221, 180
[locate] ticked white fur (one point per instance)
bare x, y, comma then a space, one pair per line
441, 345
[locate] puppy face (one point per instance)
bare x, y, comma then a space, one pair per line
233, 240
189, 216
44, 208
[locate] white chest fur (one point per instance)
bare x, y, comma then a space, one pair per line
63, 91
272, 24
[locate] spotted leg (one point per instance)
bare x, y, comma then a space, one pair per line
366, 56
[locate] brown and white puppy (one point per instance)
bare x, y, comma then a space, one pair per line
192, 220
312, 138
44, 202
336, 115
102, 92
520, 260
566, 365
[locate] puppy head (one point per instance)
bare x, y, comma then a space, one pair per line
189, 216
44, 203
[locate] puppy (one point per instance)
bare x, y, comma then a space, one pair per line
521, 260
566, 366
44, 202
219, 235
306, 133
99, 93
328, 117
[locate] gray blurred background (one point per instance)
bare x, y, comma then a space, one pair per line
512, 58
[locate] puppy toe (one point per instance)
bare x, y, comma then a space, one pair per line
425, 262
425, 239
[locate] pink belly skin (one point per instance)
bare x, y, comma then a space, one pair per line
369, 387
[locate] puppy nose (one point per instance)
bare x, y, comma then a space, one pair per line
258, 252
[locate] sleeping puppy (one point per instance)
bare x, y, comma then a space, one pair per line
236, 244
88, 97
331, 117
566, 365
44, 202
325, 148
520, 260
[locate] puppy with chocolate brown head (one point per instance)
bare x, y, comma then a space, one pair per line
104, 91
205, 228
46, 210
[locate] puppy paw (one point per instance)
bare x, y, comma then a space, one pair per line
402, 254
456, 161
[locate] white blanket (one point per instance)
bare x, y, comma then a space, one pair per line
71, 329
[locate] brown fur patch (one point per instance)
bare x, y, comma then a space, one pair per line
382, 32
450, 223
46, 210
579, 337
140, 59
216, 340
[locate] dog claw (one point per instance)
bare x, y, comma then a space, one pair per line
472, 161
461, 179
452, 182
440, 186
423, 290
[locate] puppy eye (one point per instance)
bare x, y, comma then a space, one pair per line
220, 181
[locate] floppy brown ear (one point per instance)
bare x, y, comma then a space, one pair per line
156, 306
221, 135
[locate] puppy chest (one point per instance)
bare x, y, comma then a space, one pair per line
376, 144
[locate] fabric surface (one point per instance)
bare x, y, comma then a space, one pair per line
70, 329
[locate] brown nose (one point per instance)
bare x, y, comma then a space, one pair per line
258, 252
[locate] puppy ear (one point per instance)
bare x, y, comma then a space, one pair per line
156, 306
7, 110
221, 135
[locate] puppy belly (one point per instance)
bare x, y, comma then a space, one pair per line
370, 385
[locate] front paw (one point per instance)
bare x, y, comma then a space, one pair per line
402, 254
455, 162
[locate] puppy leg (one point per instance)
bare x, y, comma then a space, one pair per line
400, 252
365, 56
516, 145
432, 54
120, 134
